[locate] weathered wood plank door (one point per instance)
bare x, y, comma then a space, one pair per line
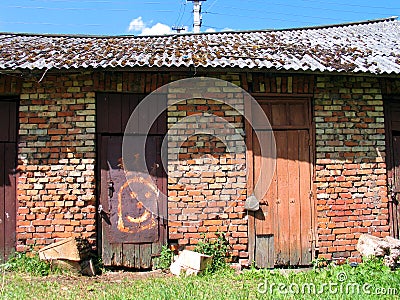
8, 140
281, 230
131, 230
392, 114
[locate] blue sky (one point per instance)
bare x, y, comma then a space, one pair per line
108, 17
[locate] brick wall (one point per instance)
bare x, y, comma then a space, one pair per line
57, 157
56, 189
10, 85
56, 186
207, 173
350, 174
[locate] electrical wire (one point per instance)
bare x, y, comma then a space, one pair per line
103, 5
324, 3
211, 5
80, 8
278, 13
50, 24
182, 10
352, 5
269, 18
294, 6
96, 1
225, 8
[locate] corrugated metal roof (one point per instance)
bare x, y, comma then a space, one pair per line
371, 47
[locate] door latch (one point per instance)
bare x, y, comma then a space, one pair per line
392, 193
393, 197
104, 214
111, 189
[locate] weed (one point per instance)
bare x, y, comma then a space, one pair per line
29, 263
319, 263
218, 248
99, 265
164, 261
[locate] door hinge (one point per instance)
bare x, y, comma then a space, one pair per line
104, 214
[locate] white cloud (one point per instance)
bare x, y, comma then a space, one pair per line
222, 30
138, 26
157, 29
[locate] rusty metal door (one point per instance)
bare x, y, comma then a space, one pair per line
392, 113
130, 203
282, 229
8, 139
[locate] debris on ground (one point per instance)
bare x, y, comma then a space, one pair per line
190, 262
387, 247
72, 254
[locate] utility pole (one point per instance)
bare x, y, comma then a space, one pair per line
197, 18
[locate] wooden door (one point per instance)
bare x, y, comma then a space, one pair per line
8, 139
282, 228
132, 232
392, 113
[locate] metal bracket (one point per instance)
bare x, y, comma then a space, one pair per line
104, 214
111, 189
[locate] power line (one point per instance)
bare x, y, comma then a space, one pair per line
60, 8
95, 1
211, 5
269, 18
182, 10
294, 6
79, 8
353, 5
104, 5
187, 20
215, 27
49, 24
322, 2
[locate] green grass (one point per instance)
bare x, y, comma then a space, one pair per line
251, 284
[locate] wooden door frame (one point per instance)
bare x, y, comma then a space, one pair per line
393, 218
10, 228
250, 159
103, 190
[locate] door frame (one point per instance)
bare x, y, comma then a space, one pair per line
10, 147
250, 168
101, 190
394, 217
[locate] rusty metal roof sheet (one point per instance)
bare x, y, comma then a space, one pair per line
370, 46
